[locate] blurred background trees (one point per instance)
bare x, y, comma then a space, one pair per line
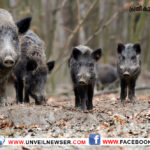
63, 24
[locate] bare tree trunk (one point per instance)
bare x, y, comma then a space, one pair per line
70, 20
49, 24
3, 4
91, 24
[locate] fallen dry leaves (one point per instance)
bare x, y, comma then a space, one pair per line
63, 123
20, 127
2, 117
120, 120
5, 124
127, 5
104, 124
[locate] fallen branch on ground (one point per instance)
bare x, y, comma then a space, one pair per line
102, 92
117, 90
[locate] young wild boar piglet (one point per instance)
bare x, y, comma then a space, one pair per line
9, 48
129, 68
32, 70
82, 65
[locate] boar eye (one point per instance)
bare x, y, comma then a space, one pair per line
15, 38
91, 65
123, 57
133, 57
79, 64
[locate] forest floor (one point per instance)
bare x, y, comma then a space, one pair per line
59, 118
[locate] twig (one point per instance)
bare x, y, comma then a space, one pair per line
67, 29
60, 7
98, 31
98, 93
106, 92
75, 31
141, 112
15, 6
78, 9
117, 90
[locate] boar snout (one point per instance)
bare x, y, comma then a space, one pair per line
8, 61
82, 78
82, 82
126, 74
41, 100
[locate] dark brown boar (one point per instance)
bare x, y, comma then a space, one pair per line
32, 69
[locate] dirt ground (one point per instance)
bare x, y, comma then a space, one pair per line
59, 118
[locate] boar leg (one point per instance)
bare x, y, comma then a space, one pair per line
19, 90
77, 98
3, 100
26, 98
83, 96
131, 93
123, 94
90, 97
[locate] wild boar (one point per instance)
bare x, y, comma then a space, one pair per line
9, 48
129, 68
32, 70
82, 65
106, 74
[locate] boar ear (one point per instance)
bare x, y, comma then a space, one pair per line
76, 53
50, 65
120, 48
23, 25
31, 65
137, 48
97, 54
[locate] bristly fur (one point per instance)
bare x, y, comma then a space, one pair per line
6, 20
9, 32
32, 69
82, 66
32, 47
129, 68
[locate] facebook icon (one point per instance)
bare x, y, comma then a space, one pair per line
94, 139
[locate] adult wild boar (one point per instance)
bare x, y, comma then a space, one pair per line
32, 69
82, 65
129, 68
9, 48
106, 74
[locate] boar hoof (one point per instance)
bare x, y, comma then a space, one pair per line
77, 105
3, 102
83, 108
26, 101
122, 100
133, 100
89, 107
18, 102
40, 102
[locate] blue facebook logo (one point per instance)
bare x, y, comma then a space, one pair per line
94, 139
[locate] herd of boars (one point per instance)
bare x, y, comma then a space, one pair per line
22, 53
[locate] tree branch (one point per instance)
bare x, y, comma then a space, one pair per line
72, 35
117, 90
75, 31
99, 30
